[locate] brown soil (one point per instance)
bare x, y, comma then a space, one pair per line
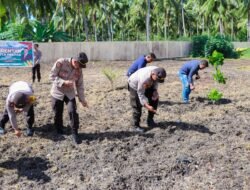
196, 146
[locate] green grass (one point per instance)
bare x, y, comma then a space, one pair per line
245, 54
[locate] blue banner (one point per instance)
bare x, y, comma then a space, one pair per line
16, 54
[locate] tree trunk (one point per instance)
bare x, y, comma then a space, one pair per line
148, 21
111, 27
248, 24
221, 27
203, 24
183, 19
63, 19
85, 21
232, 29
95, 29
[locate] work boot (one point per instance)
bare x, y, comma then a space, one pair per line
2, 131
59, 130
151, 123
75, 137
29, 132
138, 128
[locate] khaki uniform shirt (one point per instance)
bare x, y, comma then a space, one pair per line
141, 80
62, 71
37, 57
16, 87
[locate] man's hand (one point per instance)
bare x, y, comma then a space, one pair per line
192, 87
150, 108
17, 132
197, 77
84, 103
68, 83
18, 110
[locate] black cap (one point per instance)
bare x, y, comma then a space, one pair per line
20, 100
160, 73
82, 59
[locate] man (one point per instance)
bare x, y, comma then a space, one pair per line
36, 67
143, 86
186, 73
66, 74
19, 99
140, 63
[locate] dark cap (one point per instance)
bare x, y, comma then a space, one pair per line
160, 73
20, 100
82, 59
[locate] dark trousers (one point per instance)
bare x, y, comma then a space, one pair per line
58, 105
30, 118
137, 107
36, 69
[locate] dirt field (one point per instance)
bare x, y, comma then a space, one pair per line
196, 146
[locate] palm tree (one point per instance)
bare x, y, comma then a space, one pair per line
148, 21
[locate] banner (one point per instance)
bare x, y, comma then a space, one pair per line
16, 54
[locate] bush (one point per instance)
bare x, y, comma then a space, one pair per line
220, 44
199, 43
214, 95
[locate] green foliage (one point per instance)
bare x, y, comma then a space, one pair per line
245, 53
199, 43
214, 95
219, 77
216, 59
33, 31
220, 44
111, 75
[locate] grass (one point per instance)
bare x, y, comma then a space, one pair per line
245, 54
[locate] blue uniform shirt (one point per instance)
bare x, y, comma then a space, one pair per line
190, 68
138, 64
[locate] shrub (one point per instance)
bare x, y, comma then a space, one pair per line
214, 95
199, 43
220, 44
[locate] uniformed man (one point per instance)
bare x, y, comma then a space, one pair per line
66, 75
143, 86
36, 67
19, 99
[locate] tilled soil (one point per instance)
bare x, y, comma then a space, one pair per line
196, 146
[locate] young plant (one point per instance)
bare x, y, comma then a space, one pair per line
214, 95
219, 76
217, 59
111, 75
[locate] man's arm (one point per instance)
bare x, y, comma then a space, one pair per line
143, 99
80, 90
12, 115
54, 74
192, 72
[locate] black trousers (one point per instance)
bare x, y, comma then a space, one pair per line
137, 107
58, 105
36, 69
30, 118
